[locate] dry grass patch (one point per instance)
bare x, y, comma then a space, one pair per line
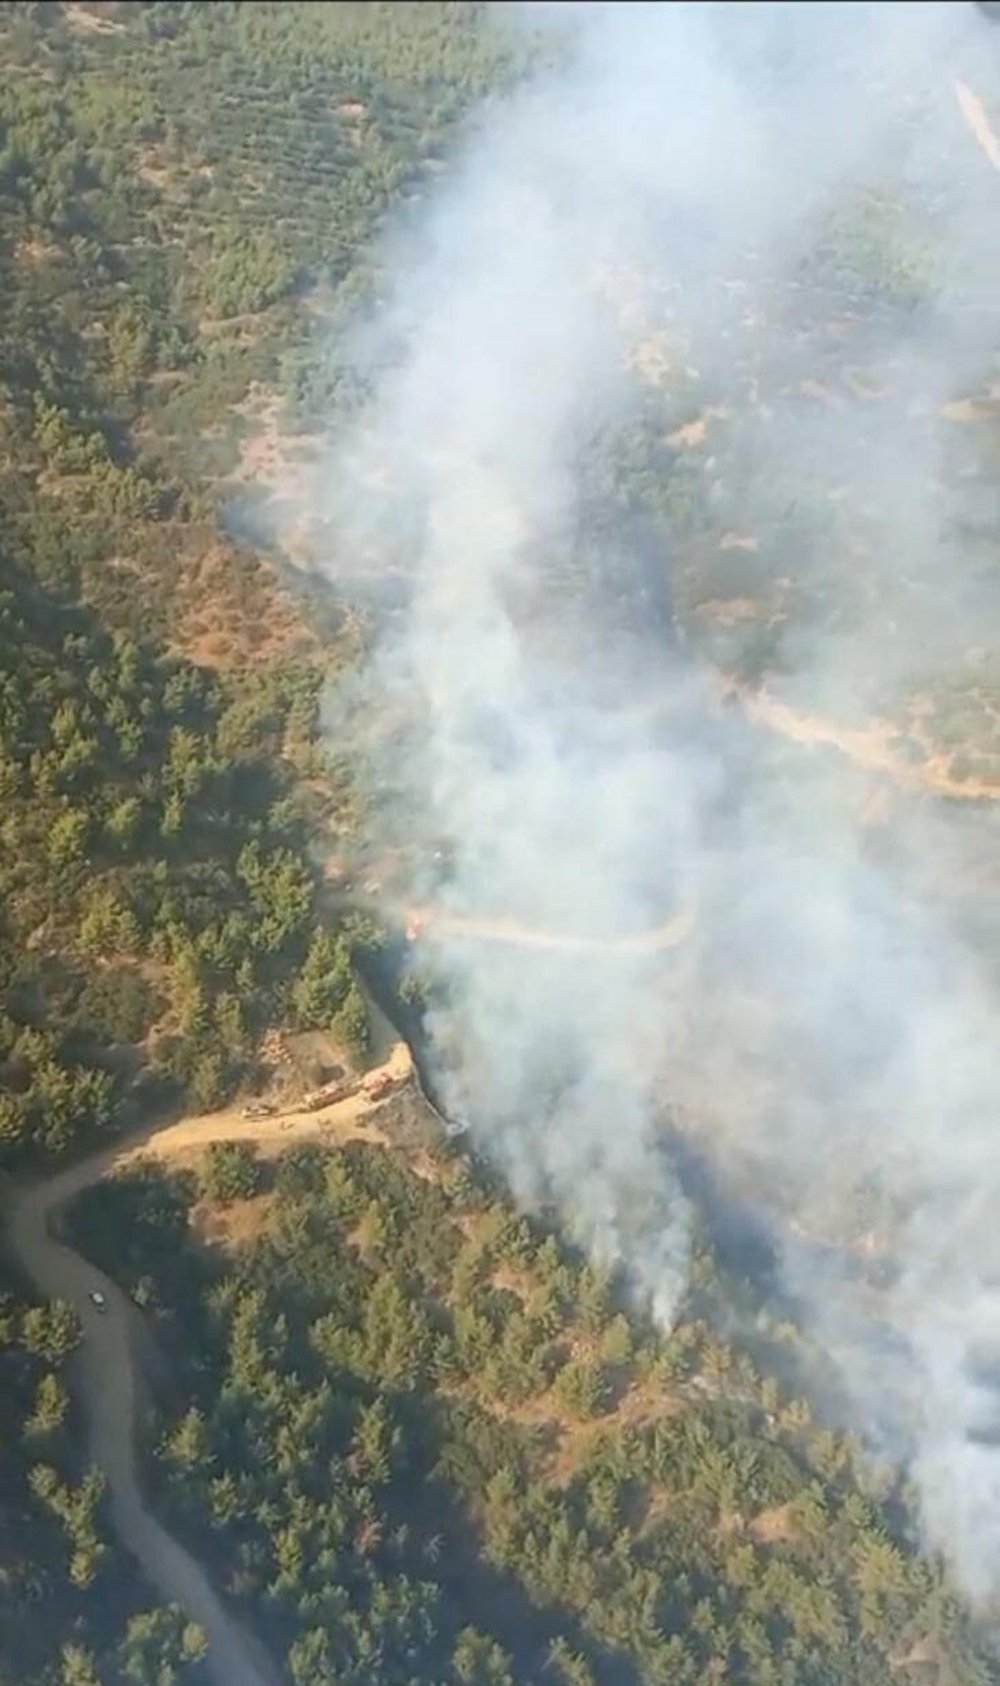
235, 613
229, 1228
95, 19
772, 1527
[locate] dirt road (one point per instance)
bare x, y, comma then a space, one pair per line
509, 931
108, 1374
872, 748
974, 112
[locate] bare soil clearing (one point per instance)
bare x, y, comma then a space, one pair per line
229, 617
351, 1119
270, 455
229, 1228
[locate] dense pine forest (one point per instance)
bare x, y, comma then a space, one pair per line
421, 1442
172, 179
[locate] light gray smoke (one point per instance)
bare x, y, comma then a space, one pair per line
686, 309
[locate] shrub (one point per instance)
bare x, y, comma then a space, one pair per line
231, 1171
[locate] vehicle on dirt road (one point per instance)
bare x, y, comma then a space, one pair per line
378, 1084
329, 1094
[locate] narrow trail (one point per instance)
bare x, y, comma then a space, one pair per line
974, 112
870, 748
108, 1368
511, 932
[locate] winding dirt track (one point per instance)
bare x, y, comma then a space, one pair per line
515, 935
109, 1364
870, 748
511, 933
974, 112
107, 1377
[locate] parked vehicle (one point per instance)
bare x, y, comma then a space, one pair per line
378, 1084
317, 1098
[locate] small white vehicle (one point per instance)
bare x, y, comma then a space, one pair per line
98, 1299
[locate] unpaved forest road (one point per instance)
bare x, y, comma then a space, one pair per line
509, 931
870, 748
108, 1373
974, 112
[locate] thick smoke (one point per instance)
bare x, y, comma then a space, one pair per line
640, 901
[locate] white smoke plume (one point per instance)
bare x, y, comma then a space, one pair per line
643, 901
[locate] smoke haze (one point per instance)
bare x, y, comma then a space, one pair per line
669, 348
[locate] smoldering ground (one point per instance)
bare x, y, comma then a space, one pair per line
774, 195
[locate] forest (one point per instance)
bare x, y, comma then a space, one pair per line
421, 1441
172, 177
415, 1437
